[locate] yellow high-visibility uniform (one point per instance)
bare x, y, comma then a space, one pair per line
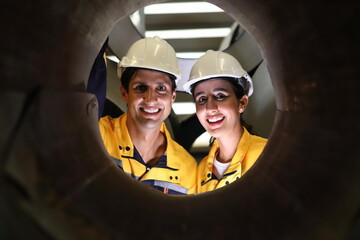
173, 173
248, 151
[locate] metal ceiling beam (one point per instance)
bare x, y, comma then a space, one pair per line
187, 21
195, 44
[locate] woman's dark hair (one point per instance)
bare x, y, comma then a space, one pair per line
130, 72
238, 86
239, 92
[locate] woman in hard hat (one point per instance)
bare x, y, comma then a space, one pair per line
221, 90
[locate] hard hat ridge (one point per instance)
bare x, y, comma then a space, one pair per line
151, 53
217, 64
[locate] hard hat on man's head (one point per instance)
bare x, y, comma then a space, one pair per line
217, 64
151, 53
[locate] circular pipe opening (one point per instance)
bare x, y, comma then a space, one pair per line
64, 189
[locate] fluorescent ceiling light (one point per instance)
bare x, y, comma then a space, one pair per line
184, 108
113, 58
181, 7
189, 33
189, 54
136, 18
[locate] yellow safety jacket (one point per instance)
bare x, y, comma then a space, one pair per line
248, 150
173, 173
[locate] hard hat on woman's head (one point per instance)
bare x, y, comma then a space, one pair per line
151, 53
217, 64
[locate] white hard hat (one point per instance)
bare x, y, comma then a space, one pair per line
151, 53
217, 64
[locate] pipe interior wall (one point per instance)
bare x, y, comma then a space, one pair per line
57, 181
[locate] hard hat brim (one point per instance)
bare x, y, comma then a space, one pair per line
123, 67
188, 85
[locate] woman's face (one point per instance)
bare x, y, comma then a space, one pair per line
217, 107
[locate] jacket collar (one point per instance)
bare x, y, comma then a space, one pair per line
127, 146
239, 155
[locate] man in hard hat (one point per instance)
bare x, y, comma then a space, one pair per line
138, 140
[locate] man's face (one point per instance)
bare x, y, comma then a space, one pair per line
149, 98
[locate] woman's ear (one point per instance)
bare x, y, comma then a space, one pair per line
244, 101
